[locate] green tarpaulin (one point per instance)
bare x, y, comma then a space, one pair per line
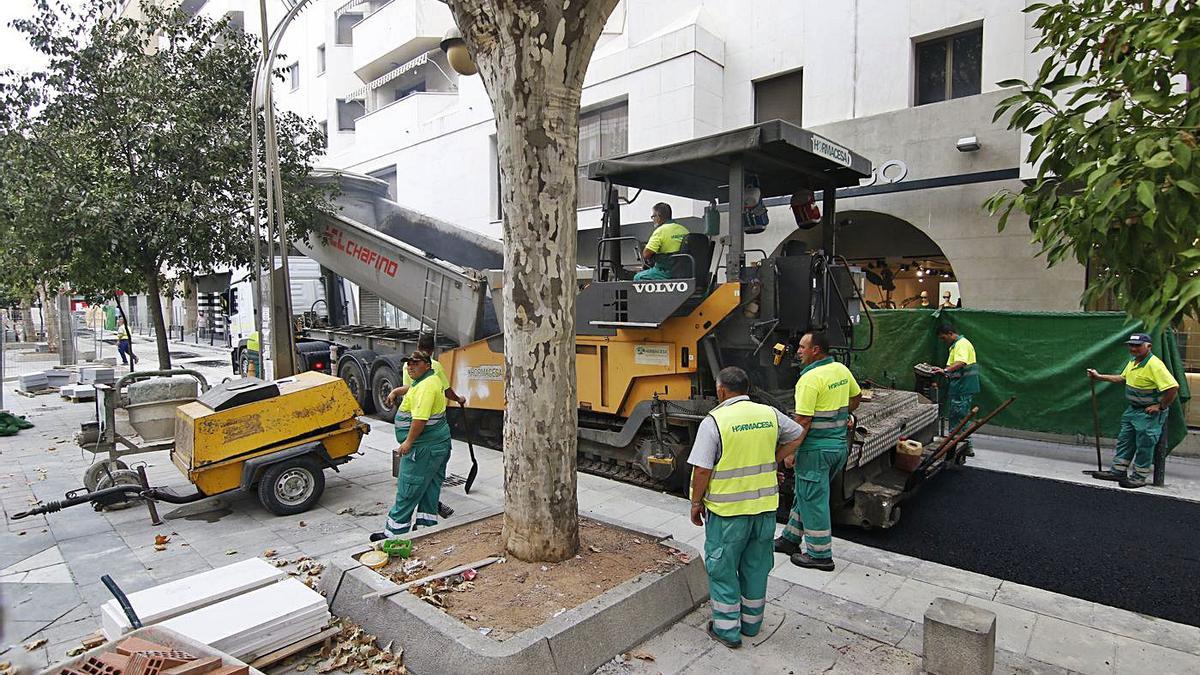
1040, 358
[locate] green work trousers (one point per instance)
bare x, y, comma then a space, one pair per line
958, 405
816, 467
655, 273
419, 485
1136, 441
738, 555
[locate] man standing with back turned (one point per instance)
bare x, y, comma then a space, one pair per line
1150, 390
734, 496
826, 394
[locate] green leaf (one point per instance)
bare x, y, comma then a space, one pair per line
1145, 193
1190, 187
1003, 84
1159, 160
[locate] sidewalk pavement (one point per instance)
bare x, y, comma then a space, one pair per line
866, 617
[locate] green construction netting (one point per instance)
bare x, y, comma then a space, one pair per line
1040, 358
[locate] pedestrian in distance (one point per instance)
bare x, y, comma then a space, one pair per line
425, 343
1150, 389
962, 374
735, 494
826, 394
125, 344
424, 451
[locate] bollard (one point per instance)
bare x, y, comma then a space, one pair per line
959, 639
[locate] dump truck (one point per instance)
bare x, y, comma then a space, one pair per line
647, 353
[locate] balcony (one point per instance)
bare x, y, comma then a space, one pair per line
396, 33
388, 125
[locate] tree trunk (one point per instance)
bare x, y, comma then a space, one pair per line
154, 302
28, 331
49, 317
532, 55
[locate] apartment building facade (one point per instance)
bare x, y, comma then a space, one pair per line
910, 84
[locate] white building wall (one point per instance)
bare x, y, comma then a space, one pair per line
686, 68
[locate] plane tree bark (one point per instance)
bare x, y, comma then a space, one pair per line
532, 56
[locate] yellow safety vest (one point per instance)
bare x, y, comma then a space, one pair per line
744, 481
252, 342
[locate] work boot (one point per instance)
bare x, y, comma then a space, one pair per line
1108, 475
444, 511
1132, 483
786, 546
728, 643
378, 536
806, 560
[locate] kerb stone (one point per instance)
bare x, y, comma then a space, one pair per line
959, 639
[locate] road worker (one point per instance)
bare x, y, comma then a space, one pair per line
1150, 390
666, 239
826, 394
425, 344
125, 344
424, 450
734, 496
253, 355
962, 374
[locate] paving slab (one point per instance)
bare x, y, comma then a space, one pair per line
1135, 657
852, 616
913, 598
1014, 626
1071, 646
864, 585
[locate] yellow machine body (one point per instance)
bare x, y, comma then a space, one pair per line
614, 372
211, 446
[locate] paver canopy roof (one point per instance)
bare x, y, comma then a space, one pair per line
781, 156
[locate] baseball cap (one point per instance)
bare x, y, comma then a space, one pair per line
1138, 339
418, 356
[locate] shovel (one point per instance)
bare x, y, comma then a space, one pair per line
470, 446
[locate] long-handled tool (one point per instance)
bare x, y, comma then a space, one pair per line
1096, 424
926, 464
470, 446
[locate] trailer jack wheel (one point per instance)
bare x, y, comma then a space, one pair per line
291, 486
99, 469
118, 478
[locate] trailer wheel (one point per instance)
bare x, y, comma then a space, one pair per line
291, 486
383, 381
352, 372
115, 479
103, 467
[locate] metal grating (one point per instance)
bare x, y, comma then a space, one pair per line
453, 480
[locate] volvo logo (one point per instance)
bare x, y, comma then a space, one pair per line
662, 287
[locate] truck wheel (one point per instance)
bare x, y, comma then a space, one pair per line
103, 467
243, 363
382, 383
352, 372
291, 486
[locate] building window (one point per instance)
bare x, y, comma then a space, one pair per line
602, 133
949, 67
779, 98
348, 111
321, 59
345, 28
324, 126
294, 75
494, 150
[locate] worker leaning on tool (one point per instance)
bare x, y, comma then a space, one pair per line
424, 437
826, 394
734, 496
962, 373
666, 239
425, 344
1150, 390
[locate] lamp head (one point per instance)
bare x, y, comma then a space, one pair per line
455, 48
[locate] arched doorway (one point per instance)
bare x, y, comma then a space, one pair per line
904, 268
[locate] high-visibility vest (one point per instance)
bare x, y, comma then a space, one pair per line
744, 480
252, 342
1145, 382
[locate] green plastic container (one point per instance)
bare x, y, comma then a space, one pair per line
396, 547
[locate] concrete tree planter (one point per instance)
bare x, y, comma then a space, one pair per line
576, 641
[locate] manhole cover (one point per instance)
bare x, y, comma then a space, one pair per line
209, 364
453, 480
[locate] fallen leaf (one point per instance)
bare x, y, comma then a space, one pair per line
269, 553
302, 667
76, 651
30, 646
642, 654
160, 539
594, 548
160, 547
231, 552
303, 524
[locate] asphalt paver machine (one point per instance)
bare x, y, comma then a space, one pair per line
647, 352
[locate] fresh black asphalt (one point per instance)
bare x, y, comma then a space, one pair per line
1123, 548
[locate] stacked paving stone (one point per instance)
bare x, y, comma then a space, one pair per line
32, 382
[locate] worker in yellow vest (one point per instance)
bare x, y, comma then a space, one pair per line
253, 356
666, 239
125, 344
1150, 389
826, 394
735, 494
962, 374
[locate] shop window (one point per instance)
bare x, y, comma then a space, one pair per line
949, 67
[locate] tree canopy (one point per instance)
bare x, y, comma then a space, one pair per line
1113, 114
129, 156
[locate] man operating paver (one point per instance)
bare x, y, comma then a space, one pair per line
666, 239
1150, 390
962, 373
734, 496
424, 437
826, 394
